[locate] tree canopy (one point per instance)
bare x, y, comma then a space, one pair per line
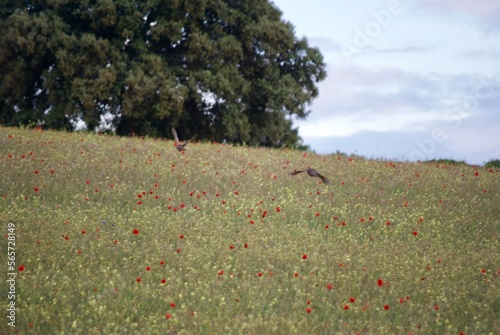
227, 70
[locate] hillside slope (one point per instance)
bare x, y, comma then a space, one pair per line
128, 236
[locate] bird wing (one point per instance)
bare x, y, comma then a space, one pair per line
175, 135
192, 138
324, 179
296, 172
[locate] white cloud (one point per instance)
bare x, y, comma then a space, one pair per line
484, 9
349, 124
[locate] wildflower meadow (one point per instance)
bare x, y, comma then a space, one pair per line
126, 235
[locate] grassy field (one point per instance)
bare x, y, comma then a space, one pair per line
128, 236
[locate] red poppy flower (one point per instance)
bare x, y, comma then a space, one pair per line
346, 307
304, 256
380, 282
21, 268
172, 304
138, 279
136, 232
352, 299
168, 316
308, 310
148, 268
386, 307
163, 281
329, 286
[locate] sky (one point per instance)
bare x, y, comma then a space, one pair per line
406, 80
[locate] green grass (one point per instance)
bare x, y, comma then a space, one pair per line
428, 231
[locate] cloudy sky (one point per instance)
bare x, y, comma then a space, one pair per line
407, 80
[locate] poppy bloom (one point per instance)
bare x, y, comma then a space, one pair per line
21, 268
329, 286
172, 304
380, 282
386, 307
308, 310
304, 256
163, 281
136, 232
168, 316
352, 299
346, 307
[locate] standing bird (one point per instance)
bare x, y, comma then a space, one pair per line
312, 173
178, 145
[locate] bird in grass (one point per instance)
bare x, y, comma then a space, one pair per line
312, 173
178, 145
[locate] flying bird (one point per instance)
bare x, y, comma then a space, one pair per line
178, 145
312, 173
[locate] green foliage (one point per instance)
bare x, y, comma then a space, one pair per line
427, 233
494, 163
225, 70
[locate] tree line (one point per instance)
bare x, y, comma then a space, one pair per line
227, 70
